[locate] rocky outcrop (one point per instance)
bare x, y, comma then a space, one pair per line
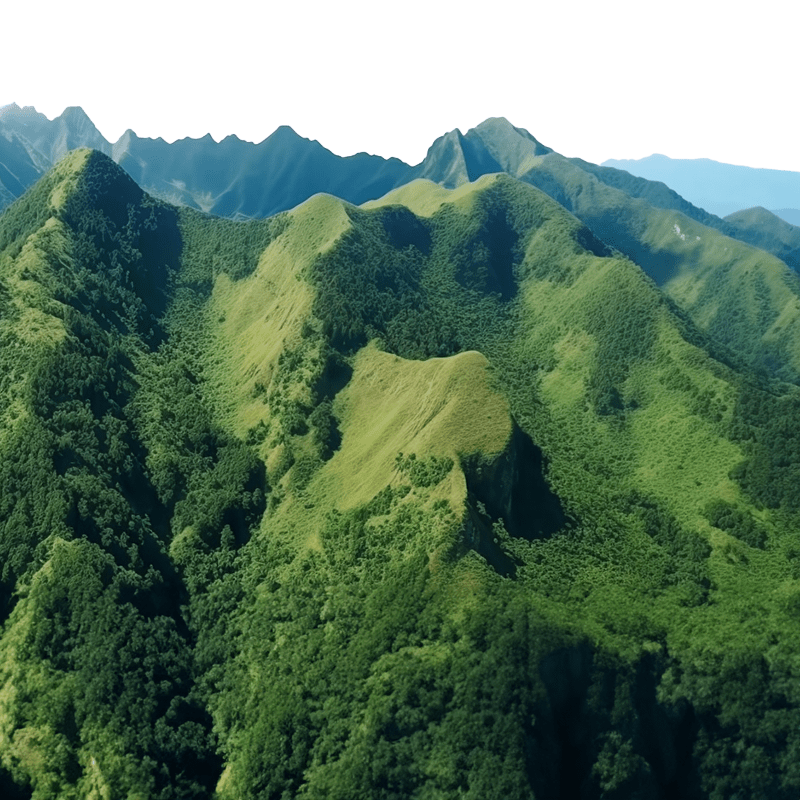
508, 492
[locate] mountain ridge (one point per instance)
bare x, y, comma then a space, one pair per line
721, 188
241, 179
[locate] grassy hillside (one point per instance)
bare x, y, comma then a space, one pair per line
436, 497
743, 297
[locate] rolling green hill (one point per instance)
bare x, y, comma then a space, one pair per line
436, 497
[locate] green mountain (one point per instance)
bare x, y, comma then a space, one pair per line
768, 231
717, 280
440, 496
747, 299
762, 228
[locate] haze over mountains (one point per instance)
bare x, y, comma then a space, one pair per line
722, 189
487, 487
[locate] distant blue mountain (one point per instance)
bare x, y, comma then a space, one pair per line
721, 188
790, 215
234, 178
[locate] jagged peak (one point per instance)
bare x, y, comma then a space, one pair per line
75, 112
71, 114
13, 110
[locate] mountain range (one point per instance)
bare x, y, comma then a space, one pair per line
238, 178
722, 189
485, 486
234, 178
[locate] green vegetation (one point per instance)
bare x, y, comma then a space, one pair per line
744, 298
423, 472
763, 229
441, 498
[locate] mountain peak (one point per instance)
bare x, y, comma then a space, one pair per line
501, 124
23, 115
514, 149
75, 112
105, 182
445, 161
284, 136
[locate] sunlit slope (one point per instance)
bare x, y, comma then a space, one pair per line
595, 358
762, 228
742, 296
271, 367
262, 316
632, 415
422, 196
592, 330
442, 407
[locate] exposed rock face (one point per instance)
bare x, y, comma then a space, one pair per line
509, 488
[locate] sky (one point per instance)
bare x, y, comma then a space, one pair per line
598, 80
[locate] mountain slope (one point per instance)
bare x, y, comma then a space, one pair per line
768, 231
761, 228
435, 497
719, 281
563, 336
722, 189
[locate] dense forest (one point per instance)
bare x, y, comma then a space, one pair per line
440, 497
